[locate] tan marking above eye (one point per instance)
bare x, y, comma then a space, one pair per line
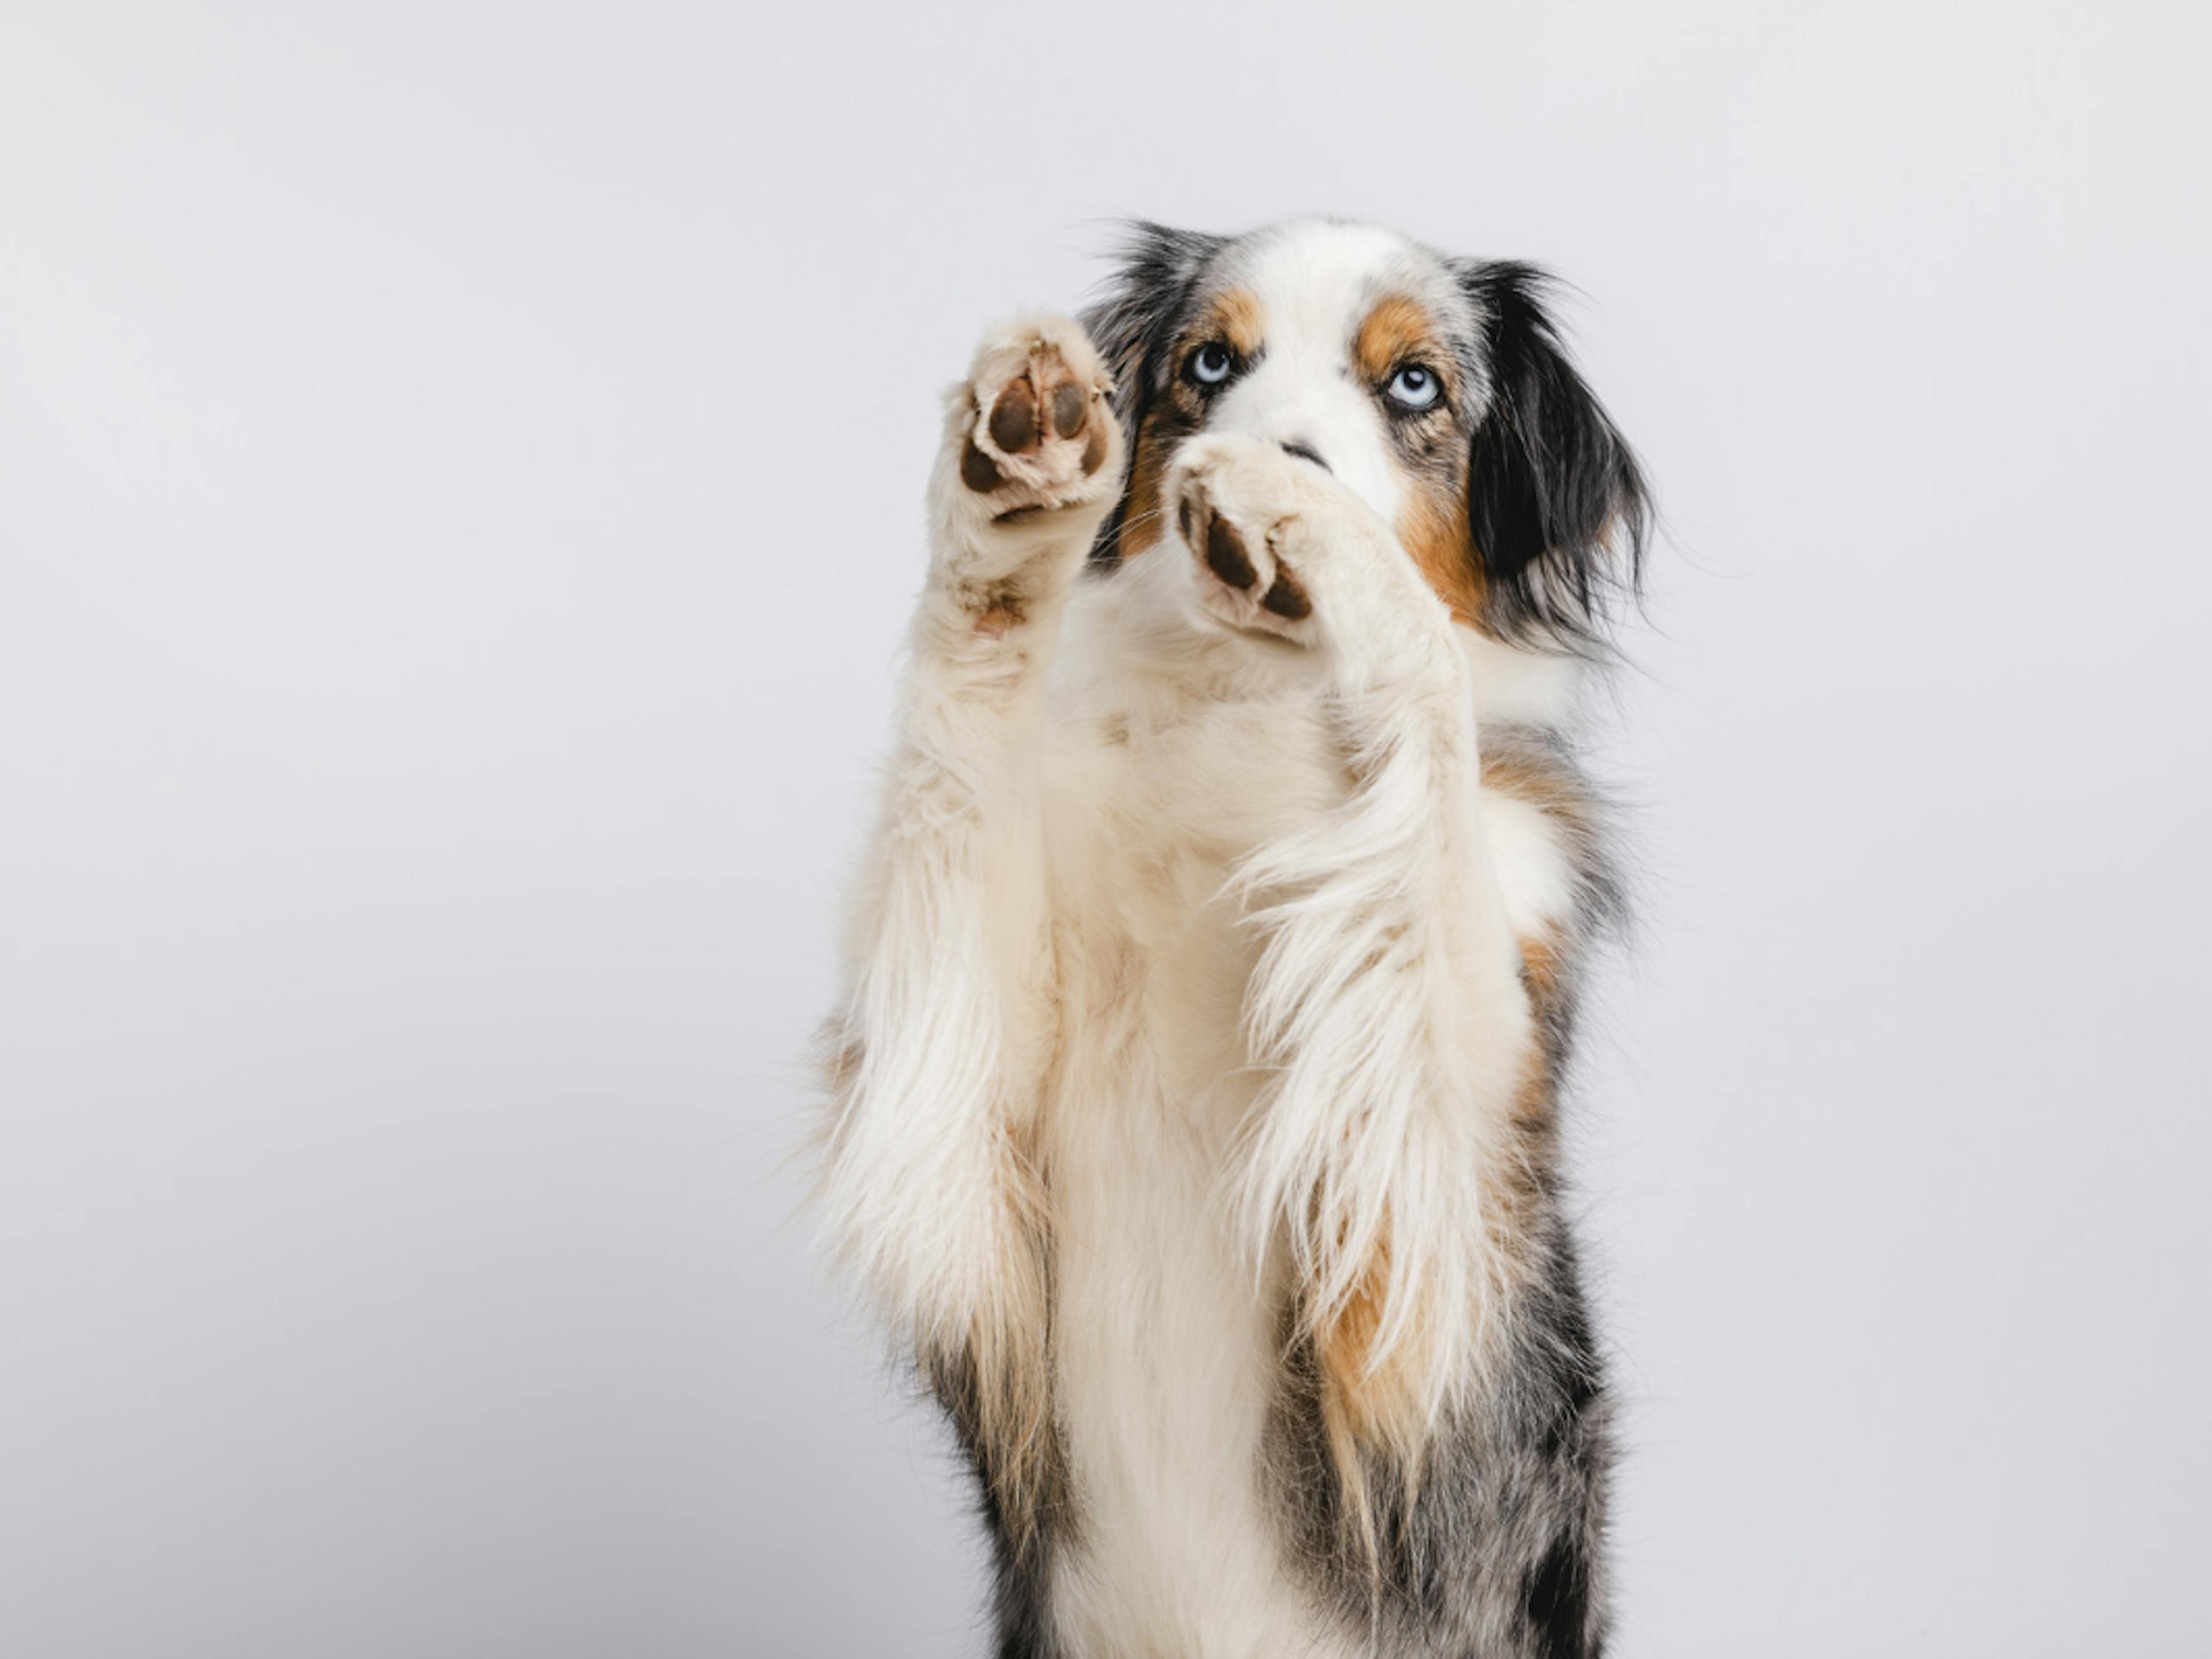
1236, 317
1396, 331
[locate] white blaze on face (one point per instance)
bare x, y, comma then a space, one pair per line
1315, 284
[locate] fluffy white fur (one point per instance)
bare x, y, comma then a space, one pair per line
1188, 941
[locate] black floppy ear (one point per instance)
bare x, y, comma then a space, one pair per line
1134, 323
1556, 502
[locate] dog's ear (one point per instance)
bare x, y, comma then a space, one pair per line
1556, 504
1144, 301
1134, 323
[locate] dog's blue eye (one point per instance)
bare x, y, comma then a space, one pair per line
1211, 363
1413, 387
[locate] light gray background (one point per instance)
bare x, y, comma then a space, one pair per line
459, 474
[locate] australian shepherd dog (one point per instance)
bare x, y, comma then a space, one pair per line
1193, 1092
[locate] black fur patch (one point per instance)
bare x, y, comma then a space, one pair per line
1557, 504
1499, 1550
1557, 1601
1022, 1545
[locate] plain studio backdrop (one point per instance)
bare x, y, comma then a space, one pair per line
460, 473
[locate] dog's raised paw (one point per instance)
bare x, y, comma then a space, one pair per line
1214, 537
1279, 550
1243, 510
1041, 434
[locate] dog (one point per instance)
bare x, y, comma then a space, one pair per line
1192, 1100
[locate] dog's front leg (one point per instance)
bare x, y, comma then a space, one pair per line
937, 1052
1391, 1149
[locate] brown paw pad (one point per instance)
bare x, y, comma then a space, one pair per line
1286, 596
1225, 551
1222, 547
1014, 416
978, 471
1070, 404
1042, 414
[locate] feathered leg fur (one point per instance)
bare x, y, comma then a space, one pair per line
1445, 1409
931, 1179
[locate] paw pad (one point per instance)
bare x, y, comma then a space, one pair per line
1047, 426
1209, 533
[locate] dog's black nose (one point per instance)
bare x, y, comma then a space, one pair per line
1305, 452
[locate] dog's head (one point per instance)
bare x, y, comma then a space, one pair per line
1434, 388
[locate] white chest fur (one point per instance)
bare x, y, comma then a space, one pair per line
1167, 1328
1165, 1333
